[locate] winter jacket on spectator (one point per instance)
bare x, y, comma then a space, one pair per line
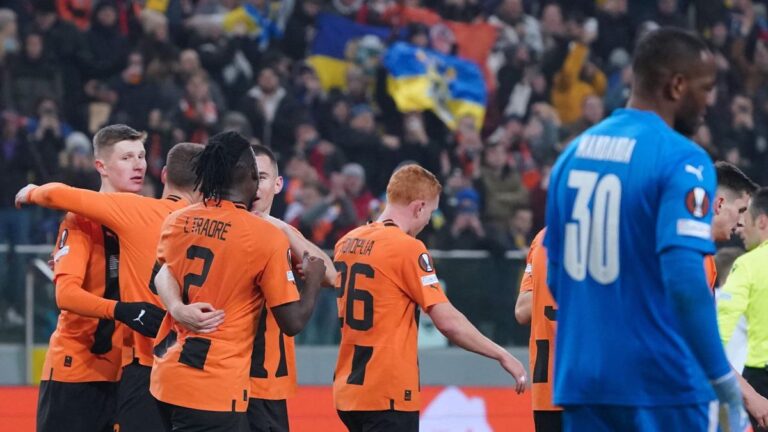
272, 116
108, 45
571, 85
27, 80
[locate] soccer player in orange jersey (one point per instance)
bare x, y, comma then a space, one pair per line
225, 258
82, 364
273, 362
385, 277
536, 306
136, 221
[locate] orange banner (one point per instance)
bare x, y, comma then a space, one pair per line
474, 409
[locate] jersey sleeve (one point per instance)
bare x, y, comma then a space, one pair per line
733, 300
73, 250
526, 284
277, 281
111, 209
419, 279
684, 215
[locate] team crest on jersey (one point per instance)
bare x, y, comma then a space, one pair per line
64, 237
697, 202
425, 262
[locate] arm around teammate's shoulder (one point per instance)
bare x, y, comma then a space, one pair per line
292, 317
457, 328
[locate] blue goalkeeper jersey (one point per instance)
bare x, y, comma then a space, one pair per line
621, 193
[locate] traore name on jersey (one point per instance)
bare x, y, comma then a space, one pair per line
207, 227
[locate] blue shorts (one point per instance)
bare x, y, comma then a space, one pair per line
610, 418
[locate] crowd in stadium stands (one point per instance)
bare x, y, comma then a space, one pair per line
183, 70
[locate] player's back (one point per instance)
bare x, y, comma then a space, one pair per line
543, 325
222, 255
384, 277
81, 348
623, 192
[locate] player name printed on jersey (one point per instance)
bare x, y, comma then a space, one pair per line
357, 246
606, 148
207, 227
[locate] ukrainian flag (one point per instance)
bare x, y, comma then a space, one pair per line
335, 36
421, 79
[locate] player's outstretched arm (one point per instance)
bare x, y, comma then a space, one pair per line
457, 328
292, 317
300, 244
102, 208
195, 317
523, 307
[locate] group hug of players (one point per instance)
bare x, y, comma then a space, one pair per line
177, 313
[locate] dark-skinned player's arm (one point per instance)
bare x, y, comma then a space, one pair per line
292, 317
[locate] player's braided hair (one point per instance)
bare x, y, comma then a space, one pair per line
215, 167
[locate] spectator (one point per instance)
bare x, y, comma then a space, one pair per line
271, 111
9, 39
668, 15
78, 170
197, 116
592, 112
356, 190
300, 29
501, 190
616, 29
322, 216
18, 165
578, 78
188, 65
31, 76
360, 142
104, 39
46, 134
465, 231
69, 52
741, 137
516, 234
516, 27
136, 97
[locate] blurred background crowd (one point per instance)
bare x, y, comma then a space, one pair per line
489, 93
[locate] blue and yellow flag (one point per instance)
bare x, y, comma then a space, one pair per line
331, 50
421, 79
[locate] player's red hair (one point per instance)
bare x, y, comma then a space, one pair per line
411, 183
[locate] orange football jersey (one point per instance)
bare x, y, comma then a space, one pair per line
273, 361
384, 276
223, 255
85, 348
136, 221
543, 325
710, 270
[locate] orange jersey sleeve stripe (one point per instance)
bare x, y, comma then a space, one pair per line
543, 327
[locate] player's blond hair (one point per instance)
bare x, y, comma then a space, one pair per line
106, 138
411, 183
